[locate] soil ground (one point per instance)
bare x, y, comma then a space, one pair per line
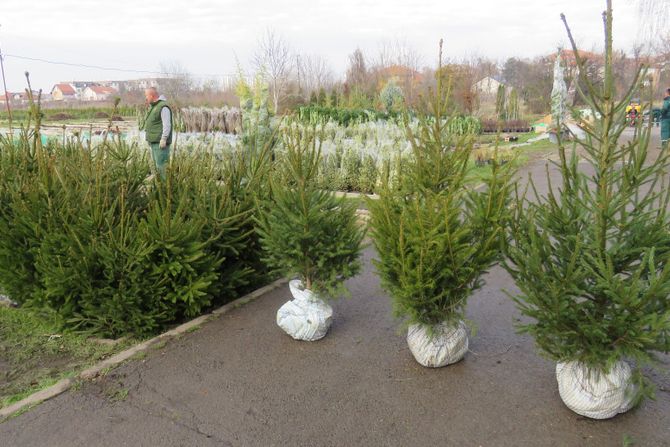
34, 354
240, 381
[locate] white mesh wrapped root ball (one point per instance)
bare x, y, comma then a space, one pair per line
306, 317
596, 395
447, 345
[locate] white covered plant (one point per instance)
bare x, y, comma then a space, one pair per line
435, 235
591, 257
559, 95
309, 234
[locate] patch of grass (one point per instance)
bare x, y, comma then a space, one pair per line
76, 113
540, 145
140, 355
193, 329
42, 384
523, 155
23, 410
118, 394
105, 371
487, 139
160, 345
35, 353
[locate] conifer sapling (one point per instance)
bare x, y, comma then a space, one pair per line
591, 257
435, 235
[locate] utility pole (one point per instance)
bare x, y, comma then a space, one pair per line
4, 85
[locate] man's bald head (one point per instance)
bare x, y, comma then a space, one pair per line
151, 95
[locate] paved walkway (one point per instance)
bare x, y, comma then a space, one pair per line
240, 381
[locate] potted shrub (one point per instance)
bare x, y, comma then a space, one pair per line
435, 236
310, 234
591, 257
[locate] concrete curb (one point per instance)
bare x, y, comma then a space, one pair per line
114, 361
35, 398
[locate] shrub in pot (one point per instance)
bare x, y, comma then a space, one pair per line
435, 236
310, 234
591, 257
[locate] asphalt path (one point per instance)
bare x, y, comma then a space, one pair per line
240, 381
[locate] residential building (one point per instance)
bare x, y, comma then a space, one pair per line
488, 86
98, 93
64, 92
21, 98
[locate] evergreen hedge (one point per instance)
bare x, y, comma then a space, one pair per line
78, 113
344, 117
84, 235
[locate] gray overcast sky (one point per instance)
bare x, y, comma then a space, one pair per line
206, 35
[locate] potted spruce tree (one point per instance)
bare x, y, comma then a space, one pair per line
591, 257
310, 234
435, 235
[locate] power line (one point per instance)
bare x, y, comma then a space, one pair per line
125, 70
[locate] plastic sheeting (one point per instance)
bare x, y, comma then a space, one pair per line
559, 94
306, 317
447, 344
595, 395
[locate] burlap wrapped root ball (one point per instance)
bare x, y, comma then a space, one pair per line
594, 394
444, 345
306, 317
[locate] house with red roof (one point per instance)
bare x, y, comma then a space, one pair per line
19, 98
98, 93
63, 92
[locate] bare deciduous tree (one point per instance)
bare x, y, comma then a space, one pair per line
662, 49
398, 52
273, 57
357, 72
654, 15
403, 62
177, 82
315, 73
483, 67
532, 79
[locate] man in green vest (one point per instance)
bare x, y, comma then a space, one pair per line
158, 128
665, 119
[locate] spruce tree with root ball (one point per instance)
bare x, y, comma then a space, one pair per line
308, 232
591, 256
435, 234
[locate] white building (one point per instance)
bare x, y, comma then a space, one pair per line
63, 92
98, 93
488, 86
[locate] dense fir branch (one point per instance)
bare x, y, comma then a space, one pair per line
86, 237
